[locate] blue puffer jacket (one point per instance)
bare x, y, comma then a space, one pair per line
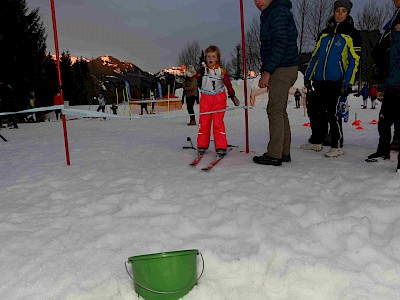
278, 36
393, 78
335, 56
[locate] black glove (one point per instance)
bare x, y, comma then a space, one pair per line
346, 90
235, 100
308, 85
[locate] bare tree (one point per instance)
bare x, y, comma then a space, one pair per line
300, 11
319, 13
374, 16
253, 44
190, 54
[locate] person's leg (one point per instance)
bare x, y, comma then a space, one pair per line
387, 116
190, 103
203, 137
279, 128
219, 132
317, 113
335, 121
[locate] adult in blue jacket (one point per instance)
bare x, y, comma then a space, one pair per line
279, 67
333, 67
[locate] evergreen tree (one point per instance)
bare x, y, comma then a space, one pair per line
66, 75
83, 87
49, 84
23, 47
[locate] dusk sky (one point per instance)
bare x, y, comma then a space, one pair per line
148, 33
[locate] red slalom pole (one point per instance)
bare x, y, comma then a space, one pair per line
246, 111
53, 16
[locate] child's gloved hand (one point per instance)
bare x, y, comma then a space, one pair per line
235, 100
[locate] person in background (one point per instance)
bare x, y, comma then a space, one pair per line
153, 99
386, 55
7, 104
214, 81
31, 104
57, 101
102, 104
333, 67
279, 67
365, 94
297, 98
190, 90
373, 93
183, 96
143, 105
114, 108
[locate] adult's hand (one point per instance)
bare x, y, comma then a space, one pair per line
264, 80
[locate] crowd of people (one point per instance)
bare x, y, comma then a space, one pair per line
330, 76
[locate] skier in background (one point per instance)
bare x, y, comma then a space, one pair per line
373, 93
102, 104
297, 97
190, 90
114, 108
365, 94
31, 104
143, 105
57, 101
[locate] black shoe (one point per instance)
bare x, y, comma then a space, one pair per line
267, 160
201, 151
395, 145
286, 158
374, 157
221, 152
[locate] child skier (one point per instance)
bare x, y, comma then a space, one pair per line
214, 80
114, 108
143, 105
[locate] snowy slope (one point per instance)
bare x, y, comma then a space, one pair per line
315, 228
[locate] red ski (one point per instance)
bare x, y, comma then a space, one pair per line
213, 163
196, 161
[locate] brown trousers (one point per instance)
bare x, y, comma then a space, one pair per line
279, 128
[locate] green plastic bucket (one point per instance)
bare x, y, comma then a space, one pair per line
165, 276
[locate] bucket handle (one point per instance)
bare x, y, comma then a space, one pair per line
176, 292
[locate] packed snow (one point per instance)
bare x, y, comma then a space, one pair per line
316, 228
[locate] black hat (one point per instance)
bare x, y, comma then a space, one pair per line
343, 3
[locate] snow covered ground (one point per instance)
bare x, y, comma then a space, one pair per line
315, 228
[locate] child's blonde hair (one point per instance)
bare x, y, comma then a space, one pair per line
213, 48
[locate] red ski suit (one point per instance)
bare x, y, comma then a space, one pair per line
213, 98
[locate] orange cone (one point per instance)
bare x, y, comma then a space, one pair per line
373, 122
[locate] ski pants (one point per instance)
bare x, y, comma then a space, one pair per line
388, 115
279, 128
324, 110
210, 103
